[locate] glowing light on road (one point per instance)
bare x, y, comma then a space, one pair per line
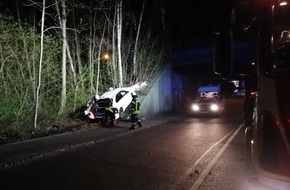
214, 107
195, 107
283, 3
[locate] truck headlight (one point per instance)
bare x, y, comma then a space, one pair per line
195, 107
214, 107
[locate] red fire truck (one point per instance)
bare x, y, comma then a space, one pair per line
268, 136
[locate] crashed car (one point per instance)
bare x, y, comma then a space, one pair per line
121, 99
97, 112
208, 101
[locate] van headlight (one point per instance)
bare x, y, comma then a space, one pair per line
195, 107
214, 107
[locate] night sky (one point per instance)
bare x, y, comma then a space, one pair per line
179, 19
190, 18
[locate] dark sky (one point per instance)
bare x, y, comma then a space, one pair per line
183, 18
193, 18
189, 18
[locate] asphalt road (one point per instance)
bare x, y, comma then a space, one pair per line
167, 153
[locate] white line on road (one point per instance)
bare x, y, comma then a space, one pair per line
191, 170
203, 175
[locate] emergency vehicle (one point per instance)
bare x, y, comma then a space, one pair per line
268, 137
208, 100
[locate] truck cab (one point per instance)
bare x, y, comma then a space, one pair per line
267, 138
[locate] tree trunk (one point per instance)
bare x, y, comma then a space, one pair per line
115, 78
91, 66
135, 65
78, 50
64, 49
119, 41
40, 66
99, 59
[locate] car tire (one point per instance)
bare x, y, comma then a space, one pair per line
248, 151
121, 113
124, 114
103, 122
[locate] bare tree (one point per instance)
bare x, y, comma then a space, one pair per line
99, 60
115, 79
119, 40
25, 48
40, 65
134, 78
62, 20
91, 66
77, 45
64, 50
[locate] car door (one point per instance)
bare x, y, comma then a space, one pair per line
123, 100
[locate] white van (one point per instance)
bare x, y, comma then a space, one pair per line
208, 100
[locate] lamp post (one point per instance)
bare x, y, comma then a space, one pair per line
106, 56
283, 2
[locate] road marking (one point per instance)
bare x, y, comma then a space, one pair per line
191, 170
203, 175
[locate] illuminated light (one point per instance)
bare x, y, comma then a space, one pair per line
214, 107
195, 107
253, 63
277, 123
252, 141
106, 56
91, 115
283, 3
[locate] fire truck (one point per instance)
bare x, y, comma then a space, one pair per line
267, 138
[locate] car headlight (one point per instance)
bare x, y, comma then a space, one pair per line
195, 107
214, 107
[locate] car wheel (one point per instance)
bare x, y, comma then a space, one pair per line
124, 114
248, 151
121, 113
103, 122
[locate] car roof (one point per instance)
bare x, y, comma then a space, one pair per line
111, 93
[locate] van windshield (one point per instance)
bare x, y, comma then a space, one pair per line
207, 95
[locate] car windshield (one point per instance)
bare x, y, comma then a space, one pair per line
281, 41
120, 95
204, 96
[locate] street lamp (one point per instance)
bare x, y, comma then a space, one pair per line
283, 2
106, 56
